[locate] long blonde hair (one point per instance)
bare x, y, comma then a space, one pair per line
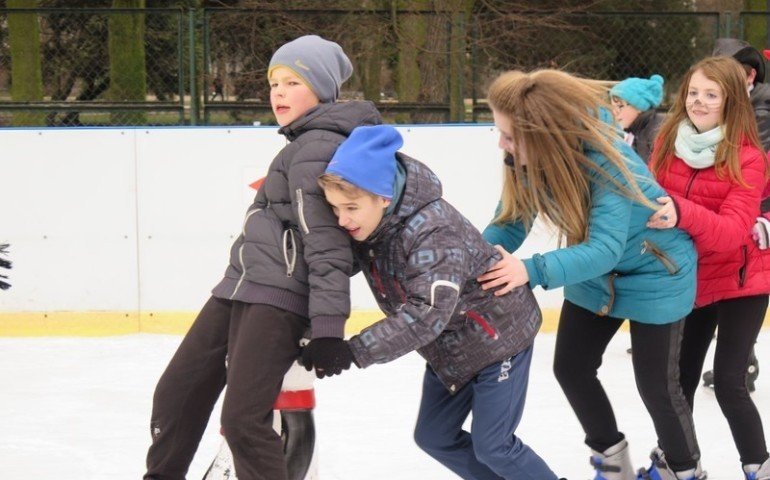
554, 116
737, 119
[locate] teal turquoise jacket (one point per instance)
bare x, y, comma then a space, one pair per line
623, 269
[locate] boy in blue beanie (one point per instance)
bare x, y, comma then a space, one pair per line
421, 258
289, 272
634, 103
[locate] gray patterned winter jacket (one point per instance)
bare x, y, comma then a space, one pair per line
291, 253
421, 264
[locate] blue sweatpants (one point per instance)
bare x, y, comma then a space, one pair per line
491, 451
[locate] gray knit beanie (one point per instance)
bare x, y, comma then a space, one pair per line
320, 63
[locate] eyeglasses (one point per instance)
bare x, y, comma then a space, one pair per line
618, 104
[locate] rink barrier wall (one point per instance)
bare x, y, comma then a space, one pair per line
126, 230
97, 324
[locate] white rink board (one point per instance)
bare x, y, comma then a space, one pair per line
143, 219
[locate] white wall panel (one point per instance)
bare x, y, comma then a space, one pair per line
68, 207
122, 219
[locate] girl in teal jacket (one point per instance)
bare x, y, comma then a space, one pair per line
568, 165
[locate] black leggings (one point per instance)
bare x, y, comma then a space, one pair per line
580, 343
739, 321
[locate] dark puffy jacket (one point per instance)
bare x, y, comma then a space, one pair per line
645, 129
422, 263
291, 253
760, 100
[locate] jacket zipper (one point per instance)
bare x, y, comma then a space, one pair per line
482, 323
744, 268
288, 235
301, 211
240, 253
648, 246
689, 183
376, 277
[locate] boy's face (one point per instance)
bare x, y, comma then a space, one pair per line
290, 97
359, 215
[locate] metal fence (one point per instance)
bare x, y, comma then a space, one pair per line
207, 66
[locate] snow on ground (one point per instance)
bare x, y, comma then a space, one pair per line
79, 408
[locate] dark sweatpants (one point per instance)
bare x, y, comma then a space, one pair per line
739, 321
581, 341
259, 343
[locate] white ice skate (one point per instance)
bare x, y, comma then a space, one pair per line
614, 463
659, 470
757, 472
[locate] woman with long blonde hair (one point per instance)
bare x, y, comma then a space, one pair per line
709, 159
567, 165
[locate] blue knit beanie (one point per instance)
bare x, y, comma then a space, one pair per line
367, 159
642, 93
320, 63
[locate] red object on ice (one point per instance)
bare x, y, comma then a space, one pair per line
258, 183
295, 400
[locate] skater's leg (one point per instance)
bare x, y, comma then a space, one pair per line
581, 341
499, 393
264, 342
699, 328
439, 429
656, 369
186, 393
740, 320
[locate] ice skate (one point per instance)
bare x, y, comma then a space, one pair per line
614, 463
757, 472
659, 470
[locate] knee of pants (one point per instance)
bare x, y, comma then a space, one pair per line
570, 372
240, 425
494, 455
429, 441
728, 386
655, 393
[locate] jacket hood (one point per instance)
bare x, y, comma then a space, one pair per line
743, 52
340, 118
421, 188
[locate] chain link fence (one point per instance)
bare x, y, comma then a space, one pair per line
76, 67
208, 66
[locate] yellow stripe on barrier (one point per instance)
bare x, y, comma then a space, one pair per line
98, 324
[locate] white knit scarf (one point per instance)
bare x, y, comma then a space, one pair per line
697, 149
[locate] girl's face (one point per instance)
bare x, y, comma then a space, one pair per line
704, 102
624, 113
504, 125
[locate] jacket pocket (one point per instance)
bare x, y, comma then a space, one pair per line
289, 251
743, 271
607, 308
483, 324
657, 252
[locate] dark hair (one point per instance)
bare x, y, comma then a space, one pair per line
750, 56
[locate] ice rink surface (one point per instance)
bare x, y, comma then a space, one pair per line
79, 408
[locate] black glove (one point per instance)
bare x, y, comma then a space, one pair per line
328, 355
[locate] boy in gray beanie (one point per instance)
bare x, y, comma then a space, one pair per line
288, 274
321, 64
